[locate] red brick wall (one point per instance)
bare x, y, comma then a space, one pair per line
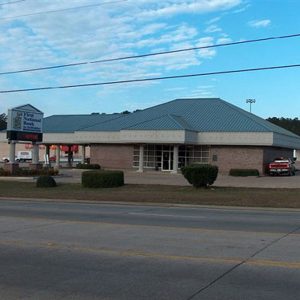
246, 157
117, 156
112, 156
237, 157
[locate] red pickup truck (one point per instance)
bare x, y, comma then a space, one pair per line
281, 166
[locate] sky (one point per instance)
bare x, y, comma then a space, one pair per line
94, 30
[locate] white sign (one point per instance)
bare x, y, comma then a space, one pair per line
25, 120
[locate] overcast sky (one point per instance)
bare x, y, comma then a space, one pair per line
133, 27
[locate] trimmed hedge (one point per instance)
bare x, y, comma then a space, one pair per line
29, 172
244, 172
200, 175
102, 179
88, 166
45, 181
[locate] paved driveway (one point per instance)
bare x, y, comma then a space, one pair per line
152, 177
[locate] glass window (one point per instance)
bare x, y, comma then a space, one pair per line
187, 154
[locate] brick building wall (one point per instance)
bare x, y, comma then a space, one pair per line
117, 156
237, 157
112, 156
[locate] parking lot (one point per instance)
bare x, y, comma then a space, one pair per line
73, 175
132, 177
166, 178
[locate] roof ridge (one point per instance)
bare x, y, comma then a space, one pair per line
177, 99
106, 121
79, 115
24, 105
149, 120
184, 120
172, 117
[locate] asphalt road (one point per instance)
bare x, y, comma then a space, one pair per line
54, 250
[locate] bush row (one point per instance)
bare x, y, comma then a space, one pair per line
87, 166
29, 172
4, 172
90, 179
102, 179
244, 172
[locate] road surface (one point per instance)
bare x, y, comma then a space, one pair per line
73, 250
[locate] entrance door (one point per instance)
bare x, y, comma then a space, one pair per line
167, 160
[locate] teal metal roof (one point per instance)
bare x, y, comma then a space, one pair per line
203, 115
165, 122
71, 123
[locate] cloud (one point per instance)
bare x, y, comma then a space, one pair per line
175, 89
213, 20
204, 91
174, 7
224, 40
208, 52
125, 29
170, 62
212, 28
259, 23
172, 35
246, 5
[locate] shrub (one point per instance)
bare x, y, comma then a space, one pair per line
102, 179
87, 166
35, 172
244, 172
4, 172
29, 172
45, 181
200, 175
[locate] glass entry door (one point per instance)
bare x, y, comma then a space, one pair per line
167, 158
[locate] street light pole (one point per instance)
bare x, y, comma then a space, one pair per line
250, 101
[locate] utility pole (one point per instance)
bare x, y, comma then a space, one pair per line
250, 101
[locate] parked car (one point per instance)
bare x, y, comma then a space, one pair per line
24, 156
52, 158
5, 159
282, 166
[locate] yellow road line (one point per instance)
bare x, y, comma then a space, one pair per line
222, 231
274, 263
154, 255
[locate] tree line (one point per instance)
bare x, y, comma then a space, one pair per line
292, 125
3, 119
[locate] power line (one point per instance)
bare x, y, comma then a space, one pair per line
63, 9
12, 2
149, 79
150, 54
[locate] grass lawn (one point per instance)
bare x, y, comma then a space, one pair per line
258, 197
